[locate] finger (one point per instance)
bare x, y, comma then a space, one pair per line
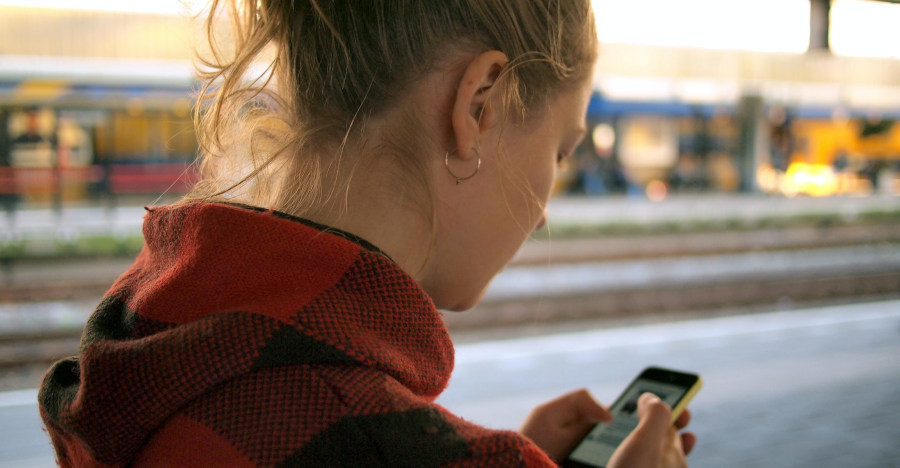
688, 441
683, 419
654, 415
576, 408
585, 407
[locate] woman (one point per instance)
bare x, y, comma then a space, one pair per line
388, 163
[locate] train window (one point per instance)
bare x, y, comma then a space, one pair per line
32, 138
649, 147
181, 142
150, 136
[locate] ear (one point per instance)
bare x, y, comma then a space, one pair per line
472, 109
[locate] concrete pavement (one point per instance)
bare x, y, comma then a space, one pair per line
806, 388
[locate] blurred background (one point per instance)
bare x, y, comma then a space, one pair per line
734, 211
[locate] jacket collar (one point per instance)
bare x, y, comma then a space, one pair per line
201, 259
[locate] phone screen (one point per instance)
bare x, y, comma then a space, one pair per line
598, 446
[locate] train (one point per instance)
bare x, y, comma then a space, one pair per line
660, 147
68, 133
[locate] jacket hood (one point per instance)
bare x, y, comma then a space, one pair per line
217, 292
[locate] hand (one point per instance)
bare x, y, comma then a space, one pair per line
557, 426
655, 443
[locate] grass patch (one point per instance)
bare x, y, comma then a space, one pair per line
881, 216
561, 231
79, 247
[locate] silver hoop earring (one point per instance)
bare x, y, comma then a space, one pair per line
458, 178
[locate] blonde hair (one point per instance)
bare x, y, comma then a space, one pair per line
274, 138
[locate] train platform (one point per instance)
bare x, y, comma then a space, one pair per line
805, 388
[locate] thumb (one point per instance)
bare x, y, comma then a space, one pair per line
645, 445
654, 416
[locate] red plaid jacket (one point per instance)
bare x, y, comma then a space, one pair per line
247, 338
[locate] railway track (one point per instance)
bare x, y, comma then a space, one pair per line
863, 262
680, 300
30, 348
71, 279
34, 351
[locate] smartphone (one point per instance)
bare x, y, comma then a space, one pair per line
673, 387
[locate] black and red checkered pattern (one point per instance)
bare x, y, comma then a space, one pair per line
243, 337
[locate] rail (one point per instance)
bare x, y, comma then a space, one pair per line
30, 349
848, 279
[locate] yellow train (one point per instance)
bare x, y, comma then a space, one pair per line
838, 156
657, 149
